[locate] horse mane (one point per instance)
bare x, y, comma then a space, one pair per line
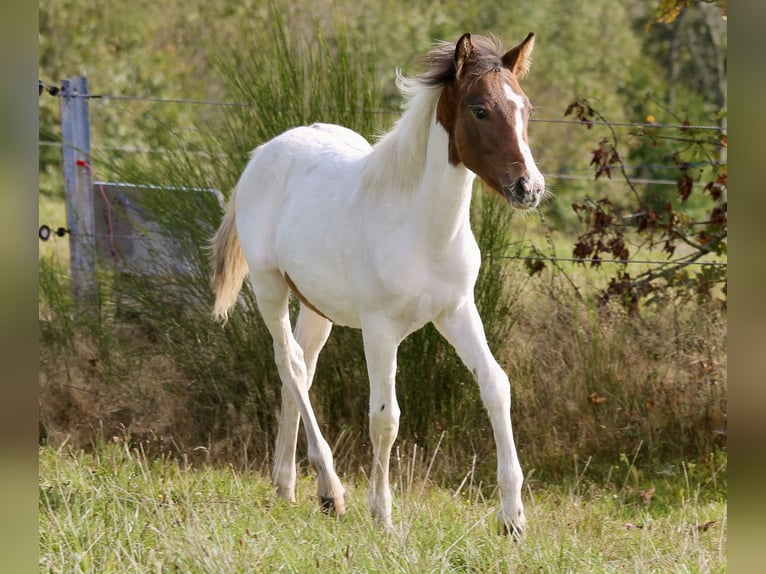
398, 158
487, 56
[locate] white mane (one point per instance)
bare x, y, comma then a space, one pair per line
397, 160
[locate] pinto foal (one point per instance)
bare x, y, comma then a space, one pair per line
378, 238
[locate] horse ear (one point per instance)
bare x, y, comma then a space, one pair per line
463, 50
518, 59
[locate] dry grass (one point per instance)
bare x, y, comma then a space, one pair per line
600, 381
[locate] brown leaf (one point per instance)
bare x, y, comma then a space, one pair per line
595, 399
534, 266
718, 216
582, 249
704, 527
647, 220
685, 183
717, 188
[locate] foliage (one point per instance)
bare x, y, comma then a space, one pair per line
668, 10
699, 227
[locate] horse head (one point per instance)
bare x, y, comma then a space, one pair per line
486, 113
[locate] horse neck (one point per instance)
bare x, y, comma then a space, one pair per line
441, 204
409, 167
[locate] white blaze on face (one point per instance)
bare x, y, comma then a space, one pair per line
534, 175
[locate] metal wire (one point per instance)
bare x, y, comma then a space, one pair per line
185, 101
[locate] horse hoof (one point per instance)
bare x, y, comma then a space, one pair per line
326, 504
329, 505
514, 531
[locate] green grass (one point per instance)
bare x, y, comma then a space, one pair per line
116, 510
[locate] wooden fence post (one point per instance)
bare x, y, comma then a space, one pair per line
75, 131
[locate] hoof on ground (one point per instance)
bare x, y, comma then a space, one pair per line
516, 532
330, 505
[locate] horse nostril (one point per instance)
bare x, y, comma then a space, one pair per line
522, 193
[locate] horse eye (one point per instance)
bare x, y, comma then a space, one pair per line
479, 113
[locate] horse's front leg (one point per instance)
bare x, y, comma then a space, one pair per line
380, 345
463, 328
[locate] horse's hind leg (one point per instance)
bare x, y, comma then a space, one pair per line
311, 332
271, 293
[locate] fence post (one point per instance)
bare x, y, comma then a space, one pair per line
78, 184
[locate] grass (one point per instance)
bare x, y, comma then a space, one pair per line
116, 510
603, 384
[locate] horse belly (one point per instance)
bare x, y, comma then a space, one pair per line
318, 278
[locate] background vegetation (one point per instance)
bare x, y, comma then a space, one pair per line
600, 384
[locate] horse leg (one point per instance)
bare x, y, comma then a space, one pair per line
311, 332
380, 354
271, 292
463, 328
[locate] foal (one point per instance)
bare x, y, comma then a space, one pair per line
378, 238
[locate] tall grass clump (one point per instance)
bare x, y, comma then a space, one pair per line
290, 74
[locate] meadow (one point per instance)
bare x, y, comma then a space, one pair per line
114, 509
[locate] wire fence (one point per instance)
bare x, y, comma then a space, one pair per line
571, 173
53, 90
149, 236
566, 173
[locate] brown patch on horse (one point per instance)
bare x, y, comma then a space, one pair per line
455, 66
302, 299
458, 69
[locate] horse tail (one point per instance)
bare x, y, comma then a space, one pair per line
228, 263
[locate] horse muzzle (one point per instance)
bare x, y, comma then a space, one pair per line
523, 194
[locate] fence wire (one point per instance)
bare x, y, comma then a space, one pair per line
564, 173
53, 90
